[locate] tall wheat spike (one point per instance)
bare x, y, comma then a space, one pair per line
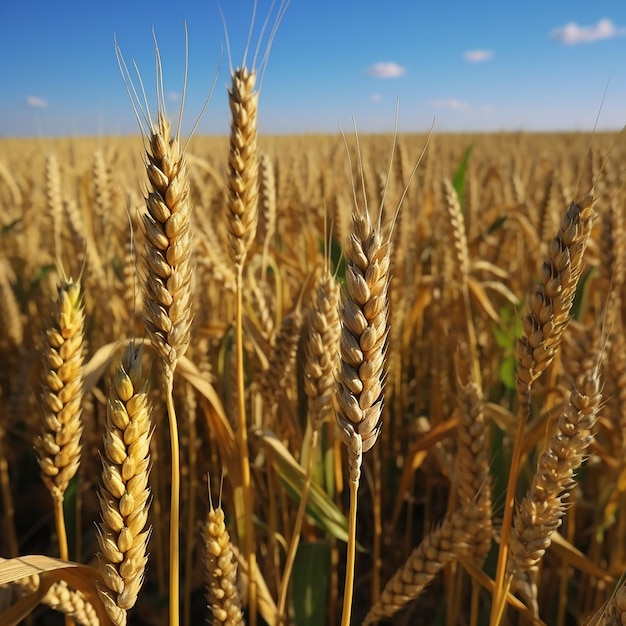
242, 217
167, 230
167, 277
363, 346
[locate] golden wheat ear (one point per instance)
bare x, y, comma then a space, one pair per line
541, 511
124, 493
445, 544
222, 592
58, 443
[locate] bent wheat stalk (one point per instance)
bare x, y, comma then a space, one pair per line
543, 326
540, 512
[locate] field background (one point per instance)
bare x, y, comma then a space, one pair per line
71, 203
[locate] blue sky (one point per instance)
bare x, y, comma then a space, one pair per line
484, 65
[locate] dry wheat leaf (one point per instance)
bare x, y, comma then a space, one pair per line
482, 299
266, 604
49, 570
569, 554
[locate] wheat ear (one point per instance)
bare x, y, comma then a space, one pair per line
222, 592
540, 512
168, 246
243, 162
62, 599
58, 444
440, 547
474, 478
543, 326
124, 493
363, 346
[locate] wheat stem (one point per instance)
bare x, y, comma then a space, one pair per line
242, 436
348, 590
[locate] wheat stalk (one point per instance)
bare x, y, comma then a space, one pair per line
322, 358
167, 286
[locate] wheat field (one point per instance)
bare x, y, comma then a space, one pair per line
214, 350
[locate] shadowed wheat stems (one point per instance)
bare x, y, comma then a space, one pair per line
322, 355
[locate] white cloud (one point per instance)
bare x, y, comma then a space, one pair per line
486, 109
450, 103
36, 102
477, 56
376, 97
386, 70
572, 33
173, 96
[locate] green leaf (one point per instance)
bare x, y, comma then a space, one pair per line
507, 373
41, 275
458, 179
338, 261
291, 474
69, 512
310, 580
496, 224
10, 226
